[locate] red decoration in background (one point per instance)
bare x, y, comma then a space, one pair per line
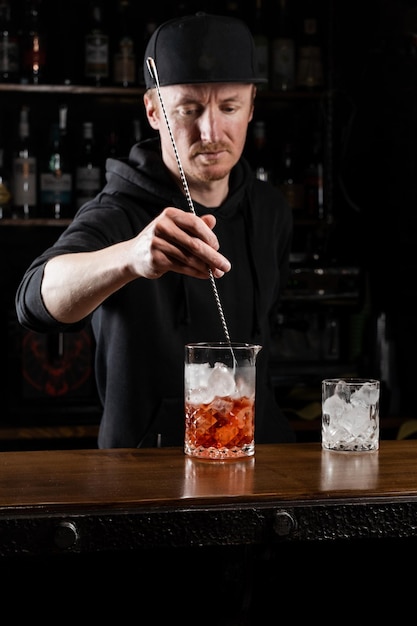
56, 365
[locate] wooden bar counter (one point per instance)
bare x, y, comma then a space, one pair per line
82, 501
156, 535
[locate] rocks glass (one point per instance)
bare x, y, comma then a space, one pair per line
350, 414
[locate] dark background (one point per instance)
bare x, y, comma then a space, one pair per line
368, 121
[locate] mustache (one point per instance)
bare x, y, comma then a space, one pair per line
209, 148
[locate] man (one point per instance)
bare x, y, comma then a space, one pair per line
135, 260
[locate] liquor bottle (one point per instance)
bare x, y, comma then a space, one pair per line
283, 50
88, 175
261, 40
124, 57
233, 8
5, 193
137, 131
66, 65
97, 47
261, 157
151, 24
134, 134
56, 180
24, 171
290, 176
314, 180
112, 150
33, 44
310, 74
9, 45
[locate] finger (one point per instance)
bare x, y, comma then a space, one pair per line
168, 256
192, 246
210, 220
188, 223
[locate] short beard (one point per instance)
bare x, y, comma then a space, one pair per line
209, 177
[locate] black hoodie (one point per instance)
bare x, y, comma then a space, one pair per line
141, 330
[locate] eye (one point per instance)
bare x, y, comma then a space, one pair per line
188, 111
229, 108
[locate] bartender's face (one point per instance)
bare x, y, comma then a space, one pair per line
209, 123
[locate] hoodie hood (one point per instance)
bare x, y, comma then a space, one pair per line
145, 178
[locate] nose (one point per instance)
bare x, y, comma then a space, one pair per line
209, 125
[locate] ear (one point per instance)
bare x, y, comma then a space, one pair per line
252, 109
151, 109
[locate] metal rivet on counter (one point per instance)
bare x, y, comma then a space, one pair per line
284, 523
66, 535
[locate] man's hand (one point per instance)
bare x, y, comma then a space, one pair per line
177, 241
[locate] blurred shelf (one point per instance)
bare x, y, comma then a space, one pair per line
134, 92
63, 437
48, 432
24, 223
76, 90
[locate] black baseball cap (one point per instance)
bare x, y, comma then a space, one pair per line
202, 48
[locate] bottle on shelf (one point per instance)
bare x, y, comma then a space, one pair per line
124, 57
97, 47
88, 175
151, 24
56, 179
9, 45
290, 179
261, 157
261, 39
137, 130
310, 73
134, 134
314, 179
66, 54
233, 8
5, 193
24, 171
33, 44
283, 50
112, 149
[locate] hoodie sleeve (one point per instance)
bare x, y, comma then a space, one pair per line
96, 226
30, 309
